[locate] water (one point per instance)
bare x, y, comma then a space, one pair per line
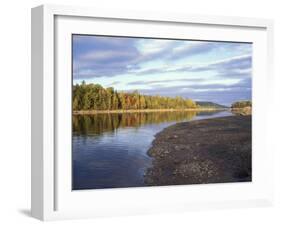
110, 150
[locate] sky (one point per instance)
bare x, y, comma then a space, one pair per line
220, 72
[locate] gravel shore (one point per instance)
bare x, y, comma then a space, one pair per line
214, 150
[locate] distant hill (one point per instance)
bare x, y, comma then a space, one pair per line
206, 104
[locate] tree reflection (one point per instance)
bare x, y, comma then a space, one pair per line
100, 123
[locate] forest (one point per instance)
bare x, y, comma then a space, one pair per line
242, 104
95, 97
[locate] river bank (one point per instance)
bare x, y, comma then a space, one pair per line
90, 112
205, 151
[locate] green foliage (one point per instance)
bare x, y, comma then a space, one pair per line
242, 104
95, 97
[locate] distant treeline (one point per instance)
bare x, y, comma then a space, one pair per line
95, 97
242, 104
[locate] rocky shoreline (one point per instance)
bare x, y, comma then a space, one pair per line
217, 150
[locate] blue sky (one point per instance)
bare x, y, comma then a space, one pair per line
203, 71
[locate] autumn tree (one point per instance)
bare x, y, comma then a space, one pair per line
95, 97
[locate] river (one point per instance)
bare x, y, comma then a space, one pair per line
110, 150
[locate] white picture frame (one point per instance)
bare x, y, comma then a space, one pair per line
52, 197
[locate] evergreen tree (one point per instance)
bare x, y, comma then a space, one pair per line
95, 97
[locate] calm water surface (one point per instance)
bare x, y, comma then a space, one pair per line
110, 150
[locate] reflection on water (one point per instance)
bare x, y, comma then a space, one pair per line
109, 150
100, 123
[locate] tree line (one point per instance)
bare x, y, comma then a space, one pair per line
95, 97
242, 104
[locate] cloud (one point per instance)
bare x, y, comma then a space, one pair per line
101, 56
229, 64
178, 49
114, 83
165, 81
153, 49
97, 56
193, 49
240, 66
159, 88
232, 67
108, 55
217, 92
